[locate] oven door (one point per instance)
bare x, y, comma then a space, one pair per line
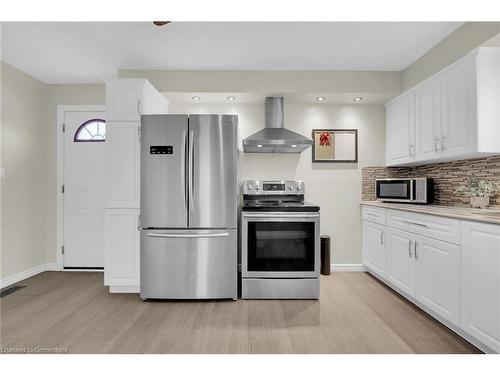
280, 245
395, 190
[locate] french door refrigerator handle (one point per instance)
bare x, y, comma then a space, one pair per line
183, 170
191, 170
180, 235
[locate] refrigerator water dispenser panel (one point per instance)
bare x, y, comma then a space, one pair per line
161, 149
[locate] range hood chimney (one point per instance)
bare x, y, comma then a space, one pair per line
274, 138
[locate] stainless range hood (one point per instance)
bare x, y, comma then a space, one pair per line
274, 137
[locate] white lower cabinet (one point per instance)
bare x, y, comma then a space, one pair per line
480, 312
438, 277
374, 247
427, 270
121, 244
449, 267
400, 264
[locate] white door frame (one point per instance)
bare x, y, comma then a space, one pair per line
61, 109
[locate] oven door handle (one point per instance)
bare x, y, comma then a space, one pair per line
281, 215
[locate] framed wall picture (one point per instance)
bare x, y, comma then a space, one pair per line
335, 146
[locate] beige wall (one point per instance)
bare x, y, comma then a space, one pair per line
281, 82
28, 147
335, 187
456, 45
24, 157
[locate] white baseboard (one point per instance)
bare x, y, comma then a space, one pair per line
347, 268
52, 267
124, 289
20, 276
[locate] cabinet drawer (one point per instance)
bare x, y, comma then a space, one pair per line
440, 228
374, 214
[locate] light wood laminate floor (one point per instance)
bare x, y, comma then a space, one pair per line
73, 311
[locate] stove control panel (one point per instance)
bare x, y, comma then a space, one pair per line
259, 187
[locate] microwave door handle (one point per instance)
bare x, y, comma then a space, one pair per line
413, 185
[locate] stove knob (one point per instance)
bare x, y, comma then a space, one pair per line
257, 187
249, 187
291, 187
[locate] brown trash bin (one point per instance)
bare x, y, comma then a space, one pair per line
325, 255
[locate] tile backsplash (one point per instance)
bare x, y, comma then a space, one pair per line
447, 178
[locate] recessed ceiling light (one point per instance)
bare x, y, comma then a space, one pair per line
231, 98
196, 98
259, 145
358, 99
293, 146
320, 98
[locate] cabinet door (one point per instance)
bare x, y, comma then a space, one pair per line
373, 247
481, 282
401, 130
121, 243
459, 94
122, 164
438, 277
400, 260
123, 99
428, 120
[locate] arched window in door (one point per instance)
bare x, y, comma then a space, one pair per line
91, 131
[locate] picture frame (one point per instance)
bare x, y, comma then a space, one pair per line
335, 146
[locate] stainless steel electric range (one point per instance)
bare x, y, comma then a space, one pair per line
279, 242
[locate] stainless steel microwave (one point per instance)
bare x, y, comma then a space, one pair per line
409, 190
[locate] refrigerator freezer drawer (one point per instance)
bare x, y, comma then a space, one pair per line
188, 264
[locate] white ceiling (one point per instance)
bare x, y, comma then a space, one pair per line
90, 52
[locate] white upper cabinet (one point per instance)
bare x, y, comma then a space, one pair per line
127, 99
401, 130
428, 120
456, 113
459, 120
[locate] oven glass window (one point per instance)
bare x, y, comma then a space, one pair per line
280, 246
393, 189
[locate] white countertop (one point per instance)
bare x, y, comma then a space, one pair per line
487, 215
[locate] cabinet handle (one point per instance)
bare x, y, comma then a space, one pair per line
382, 237
410, 252
139, 106
412, 146
443, 138
436, 148
414, 223
416, 251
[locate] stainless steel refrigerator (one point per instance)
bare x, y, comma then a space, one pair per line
189, 206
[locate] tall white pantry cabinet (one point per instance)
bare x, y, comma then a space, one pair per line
126, 101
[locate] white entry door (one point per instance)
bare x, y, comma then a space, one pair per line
84, 140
